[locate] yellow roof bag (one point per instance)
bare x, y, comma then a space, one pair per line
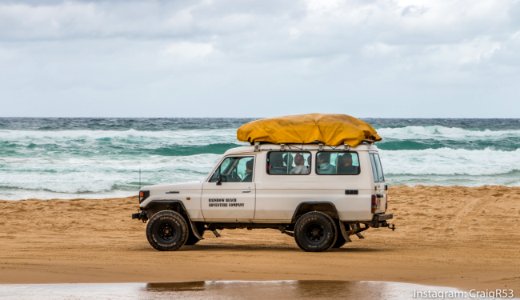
329, 129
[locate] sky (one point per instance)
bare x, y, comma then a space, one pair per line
366, 58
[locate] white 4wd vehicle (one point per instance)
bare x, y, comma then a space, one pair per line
321, 195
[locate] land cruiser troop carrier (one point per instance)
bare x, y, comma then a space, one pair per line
321, 195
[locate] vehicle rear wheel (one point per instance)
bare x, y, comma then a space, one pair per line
167, 230
315, 232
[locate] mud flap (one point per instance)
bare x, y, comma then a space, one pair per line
344, 232
194, 229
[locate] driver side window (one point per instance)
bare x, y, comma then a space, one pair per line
234, 169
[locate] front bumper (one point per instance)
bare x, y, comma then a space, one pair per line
140, 216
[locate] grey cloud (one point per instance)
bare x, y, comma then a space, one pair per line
185, 56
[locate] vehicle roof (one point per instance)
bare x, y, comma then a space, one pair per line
295, 147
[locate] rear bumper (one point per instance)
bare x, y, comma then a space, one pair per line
380, 220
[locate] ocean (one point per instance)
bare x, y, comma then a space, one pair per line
110, 157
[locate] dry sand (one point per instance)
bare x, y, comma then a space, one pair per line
451, 236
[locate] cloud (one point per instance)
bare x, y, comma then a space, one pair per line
177, 53
466, 52
188, 50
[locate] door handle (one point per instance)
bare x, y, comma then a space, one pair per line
246, 191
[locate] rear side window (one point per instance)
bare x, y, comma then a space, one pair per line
337, 163
288, 163
377, 169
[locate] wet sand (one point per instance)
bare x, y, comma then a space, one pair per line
449, 236
284, 289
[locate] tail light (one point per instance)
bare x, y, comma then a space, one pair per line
386, 203
374, 204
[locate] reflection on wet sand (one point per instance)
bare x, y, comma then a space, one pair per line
273, 289
281, 289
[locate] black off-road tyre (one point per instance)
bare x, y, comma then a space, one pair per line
192, 239
315, 232
167, 230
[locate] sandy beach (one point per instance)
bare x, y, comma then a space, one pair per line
452, 236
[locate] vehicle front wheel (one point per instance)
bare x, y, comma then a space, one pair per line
167, 230
315, 232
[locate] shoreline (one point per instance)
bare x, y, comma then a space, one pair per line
398, 186
462, 237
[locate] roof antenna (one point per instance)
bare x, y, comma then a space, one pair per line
139, 178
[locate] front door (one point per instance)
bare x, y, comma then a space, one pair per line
229, 194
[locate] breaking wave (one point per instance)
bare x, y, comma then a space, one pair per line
64, 158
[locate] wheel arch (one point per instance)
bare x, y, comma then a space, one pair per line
326, 207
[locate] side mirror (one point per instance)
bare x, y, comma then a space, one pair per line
219, 180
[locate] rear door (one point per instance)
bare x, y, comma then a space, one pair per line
379, 183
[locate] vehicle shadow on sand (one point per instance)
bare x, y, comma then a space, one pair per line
277, 248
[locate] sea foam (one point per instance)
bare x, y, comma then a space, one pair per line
102, 157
